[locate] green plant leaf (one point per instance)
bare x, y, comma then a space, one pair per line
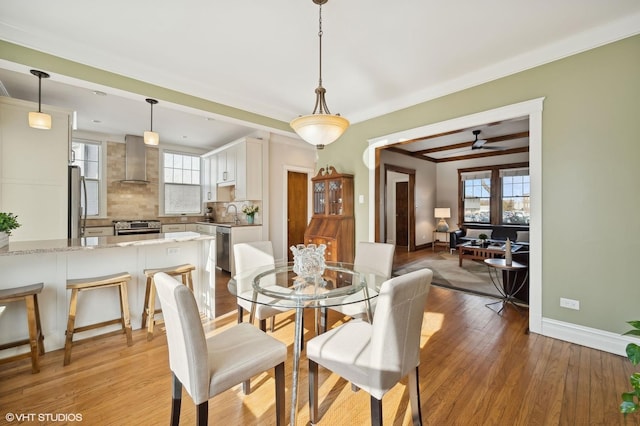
633, 353
634, 324
628, 407
632, 333
635, 382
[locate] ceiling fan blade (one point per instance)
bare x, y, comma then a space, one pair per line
499, 148
478, 143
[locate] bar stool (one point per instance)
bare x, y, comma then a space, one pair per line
29, 294
149, 308
119, 280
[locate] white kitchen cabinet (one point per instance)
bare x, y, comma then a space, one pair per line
98, 231
238, 171
33, 170
227, 166
190, 227
173, 227
249, 170
206, 229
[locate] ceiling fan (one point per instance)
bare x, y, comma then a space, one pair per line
480, 143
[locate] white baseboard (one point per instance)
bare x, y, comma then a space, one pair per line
586, 336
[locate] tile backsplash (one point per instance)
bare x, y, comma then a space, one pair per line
130, 200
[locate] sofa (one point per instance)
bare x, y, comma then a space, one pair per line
519, 234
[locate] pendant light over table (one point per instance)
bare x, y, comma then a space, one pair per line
39, 120
320, 128
151, 137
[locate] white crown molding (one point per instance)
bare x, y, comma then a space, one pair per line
600, 36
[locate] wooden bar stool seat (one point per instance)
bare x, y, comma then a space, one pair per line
29, 294
149, 307
119, 280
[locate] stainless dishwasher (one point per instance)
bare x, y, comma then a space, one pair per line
223, 254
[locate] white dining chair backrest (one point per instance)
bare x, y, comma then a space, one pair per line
248, 257
375, 257
188, 355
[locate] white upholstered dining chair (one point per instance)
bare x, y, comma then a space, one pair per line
248, 257
375, 357
207, 366
371, 257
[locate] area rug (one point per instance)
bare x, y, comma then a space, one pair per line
472, 277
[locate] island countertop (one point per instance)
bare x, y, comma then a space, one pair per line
54, 262
90, 243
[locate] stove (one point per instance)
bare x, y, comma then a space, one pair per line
129, 227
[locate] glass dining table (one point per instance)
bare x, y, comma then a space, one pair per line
338, 285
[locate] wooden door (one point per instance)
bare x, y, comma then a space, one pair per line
402, 214
297, 184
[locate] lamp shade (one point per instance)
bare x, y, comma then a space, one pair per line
151, 138
441, 212
319, 129
39, 120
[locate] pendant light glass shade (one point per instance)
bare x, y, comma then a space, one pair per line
151, 137
39, 120
320, 128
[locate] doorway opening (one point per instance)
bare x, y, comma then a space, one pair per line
532, 109
399, 212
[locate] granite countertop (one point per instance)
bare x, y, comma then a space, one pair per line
90, 243
229, 224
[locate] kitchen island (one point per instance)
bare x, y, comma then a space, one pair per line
52, 262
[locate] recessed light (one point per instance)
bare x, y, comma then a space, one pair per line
99, 93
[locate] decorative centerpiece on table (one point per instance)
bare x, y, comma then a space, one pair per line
8, 222
308, 265
250, 211
483, 240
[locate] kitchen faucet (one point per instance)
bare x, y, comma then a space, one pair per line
235, 217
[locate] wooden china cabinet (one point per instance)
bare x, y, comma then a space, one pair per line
332, 222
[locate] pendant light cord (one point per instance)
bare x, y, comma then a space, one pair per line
320, 45
40, 93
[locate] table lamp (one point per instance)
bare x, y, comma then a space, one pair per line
442, 213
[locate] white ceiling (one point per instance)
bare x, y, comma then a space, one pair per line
263, 56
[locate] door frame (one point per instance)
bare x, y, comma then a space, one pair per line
531, 109
285, 202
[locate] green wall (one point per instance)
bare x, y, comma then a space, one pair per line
590, 173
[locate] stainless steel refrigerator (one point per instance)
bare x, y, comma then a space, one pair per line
77, 220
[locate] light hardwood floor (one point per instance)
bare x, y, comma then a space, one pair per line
477, 368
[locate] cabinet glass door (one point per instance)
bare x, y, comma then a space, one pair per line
318, 197
335, 197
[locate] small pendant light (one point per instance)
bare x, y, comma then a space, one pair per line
39, 120
151, 137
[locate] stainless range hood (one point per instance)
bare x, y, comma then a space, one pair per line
135, 160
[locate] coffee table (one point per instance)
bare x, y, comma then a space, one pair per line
495, 249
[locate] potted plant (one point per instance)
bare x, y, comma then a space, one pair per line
631, 400
8, 222
250, 211
483, 239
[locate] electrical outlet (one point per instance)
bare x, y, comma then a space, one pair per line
570, 303
173, 250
